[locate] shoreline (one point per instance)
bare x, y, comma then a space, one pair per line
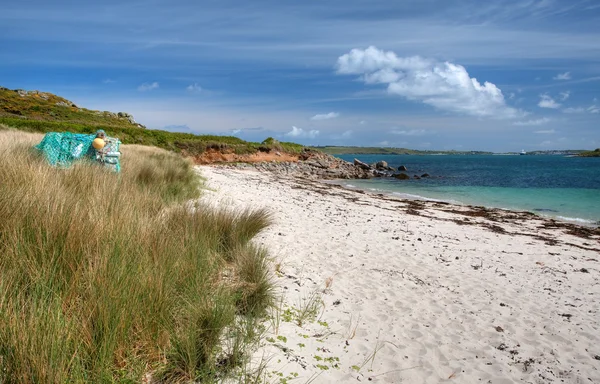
413, 291
410, 196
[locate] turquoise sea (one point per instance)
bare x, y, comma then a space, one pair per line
566, 188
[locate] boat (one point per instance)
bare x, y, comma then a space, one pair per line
522, 152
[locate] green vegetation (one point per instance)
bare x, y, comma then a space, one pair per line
111, 277
43, 112
594, 153
185, 143
333, 150
44, 106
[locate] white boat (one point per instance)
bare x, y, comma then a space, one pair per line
522, 152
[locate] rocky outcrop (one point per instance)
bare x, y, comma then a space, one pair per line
317, 165
313, 165
402, 168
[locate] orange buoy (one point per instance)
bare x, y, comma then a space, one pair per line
98, 143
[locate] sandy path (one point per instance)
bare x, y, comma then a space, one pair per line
413, 293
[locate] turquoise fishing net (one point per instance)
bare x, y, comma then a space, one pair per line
64, 148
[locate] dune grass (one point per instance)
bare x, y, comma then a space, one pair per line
110, 277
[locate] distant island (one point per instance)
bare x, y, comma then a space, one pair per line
594, 153
335, 150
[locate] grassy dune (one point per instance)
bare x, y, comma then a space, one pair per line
185, 143
110, 277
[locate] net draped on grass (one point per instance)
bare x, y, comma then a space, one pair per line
110, 277
64, 148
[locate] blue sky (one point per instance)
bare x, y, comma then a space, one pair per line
425, 74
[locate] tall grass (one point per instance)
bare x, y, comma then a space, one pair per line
110, 277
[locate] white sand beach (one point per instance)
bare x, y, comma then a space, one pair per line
419, 292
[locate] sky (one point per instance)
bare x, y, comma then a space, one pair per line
497, 75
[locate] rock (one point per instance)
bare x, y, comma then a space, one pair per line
425, 175
381, 165
402, 176
126, 116
402, 168
62, 104
361, 165
417, 177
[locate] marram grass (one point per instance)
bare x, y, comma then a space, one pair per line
115, 278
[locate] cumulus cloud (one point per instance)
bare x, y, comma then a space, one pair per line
563, 76
301, 133
194, 88
541, 121
548, 102
545, 131
565, 95
444, 85
410, 132
148, 87
594, 109
325, 116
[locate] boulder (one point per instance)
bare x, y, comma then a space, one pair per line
126, 116
425, 175
362, 165
402, 168
402, 176
417, 177
381, 164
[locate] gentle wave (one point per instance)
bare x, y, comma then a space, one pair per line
576, 220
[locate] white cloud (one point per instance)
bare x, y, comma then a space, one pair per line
446, 86
563, 76
325, 116
347, 134
108, 81
410, 132
148, 87
594, 109
574, 110
541, 121
548, 102
545, 131
565, 95
301, 133
362, 122
194, 88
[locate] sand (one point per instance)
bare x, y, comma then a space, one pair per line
386, 290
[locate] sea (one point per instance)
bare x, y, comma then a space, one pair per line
555, 186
